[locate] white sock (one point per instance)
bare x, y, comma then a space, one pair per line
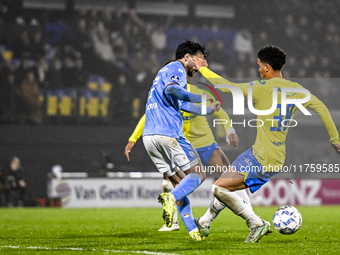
243, 194
235, 203
213, 211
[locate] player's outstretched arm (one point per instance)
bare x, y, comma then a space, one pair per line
177, 91
197, 109
319, 108
215, 79
137, 133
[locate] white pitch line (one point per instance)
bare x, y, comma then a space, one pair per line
81, 249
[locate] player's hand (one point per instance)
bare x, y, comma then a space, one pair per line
336, 147
232, 137
199, 62
209, 98
128, 149
233, 140
215, 107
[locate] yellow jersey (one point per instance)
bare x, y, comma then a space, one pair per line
269, 147
195, 127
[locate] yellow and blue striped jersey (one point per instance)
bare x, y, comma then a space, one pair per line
269, 147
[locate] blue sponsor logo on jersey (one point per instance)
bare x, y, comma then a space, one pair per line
262, 82
278, 144
187, 117
175, 78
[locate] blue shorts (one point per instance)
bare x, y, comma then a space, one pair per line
254, 176
188, 148
206, 151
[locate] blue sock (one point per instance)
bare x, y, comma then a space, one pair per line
186, 186
186, 214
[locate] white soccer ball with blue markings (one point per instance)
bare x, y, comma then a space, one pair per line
287, 220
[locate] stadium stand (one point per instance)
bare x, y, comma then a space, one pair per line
65, 44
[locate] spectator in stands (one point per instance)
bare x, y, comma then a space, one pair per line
82, 14
21, 46
291, 29
106, 19
6, 76
93, 16
244, 42
37, 46
81, 39
30, 92
13, 182
260, 40
24, 68
218, 57
68, 73
80, 74
118, 21
11, 100
126, 32
54, 76
103, 47
41, 70
120, 50
137, 39
137, 64
158, 39
140, 32
152, 65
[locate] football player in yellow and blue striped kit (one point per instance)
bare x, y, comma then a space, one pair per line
252, 168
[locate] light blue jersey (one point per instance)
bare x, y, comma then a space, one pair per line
163, 111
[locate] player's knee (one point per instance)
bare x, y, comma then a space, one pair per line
214, 190
223, 184
218, 191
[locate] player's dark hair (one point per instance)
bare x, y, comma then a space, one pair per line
273, 56
190, 47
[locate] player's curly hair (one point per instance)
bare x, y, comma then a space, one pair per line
190, 47
273, 56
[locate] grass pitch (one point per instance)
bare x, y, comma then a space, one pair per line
134, 231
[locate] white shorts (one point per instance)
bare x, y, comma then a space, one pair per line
170, 154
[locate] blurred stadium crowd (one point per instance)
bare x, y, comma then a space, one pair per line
53, 63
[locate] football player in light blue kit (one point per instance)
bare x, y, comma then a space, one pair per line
163, 135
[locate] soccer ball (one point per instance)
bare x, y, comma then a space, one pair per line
287, 220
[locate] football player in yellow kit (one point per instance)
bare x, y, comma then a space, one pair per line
253, 168
197, 130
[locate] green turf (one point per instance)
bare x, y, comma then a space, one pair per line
132, 231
